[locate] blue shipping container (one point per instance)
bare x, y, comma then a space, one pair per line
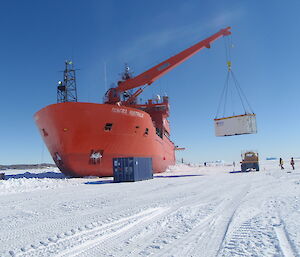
129, 169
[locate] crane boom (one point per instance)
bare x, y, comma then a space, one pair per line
154, 73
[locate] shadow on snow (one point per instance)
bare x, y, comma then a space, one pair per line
177, 176
37, 175
156, 176
99, 182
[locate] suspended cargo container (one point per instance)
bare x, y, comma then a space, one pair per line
236, 125
130, 169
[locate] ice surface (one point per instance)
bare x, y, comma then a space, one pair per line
186, 211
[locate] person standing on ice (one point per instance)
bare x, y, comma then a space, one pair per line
281, 163
292, 162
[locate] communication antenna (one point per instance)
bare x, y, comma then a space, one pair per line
66, 89
127, 74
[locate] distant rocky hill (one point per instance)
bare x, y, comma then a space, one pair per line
26, 166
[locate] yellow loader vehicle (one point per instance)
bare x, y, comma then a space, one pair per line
249, 161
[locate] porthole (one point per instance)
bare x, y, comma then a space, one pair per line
108, 126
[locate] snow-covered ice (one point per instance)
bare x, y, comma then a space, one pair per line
186, 211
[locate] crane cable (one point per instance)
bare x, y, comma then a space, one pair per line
224, 96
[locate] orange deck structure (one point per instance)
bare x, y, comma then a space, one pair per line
83, 138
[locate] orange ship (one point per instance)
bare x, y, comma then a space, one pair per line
83, 138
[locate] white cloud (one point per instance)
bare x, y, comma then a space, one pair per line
147, 43
227, 17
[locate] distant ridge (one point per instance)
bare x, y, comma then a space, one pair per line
26, 166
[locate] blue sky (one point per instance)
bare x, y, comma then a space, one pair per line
37, 36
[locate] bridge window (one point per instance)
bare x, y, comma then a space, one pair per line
44, 132
167, 134
159, 132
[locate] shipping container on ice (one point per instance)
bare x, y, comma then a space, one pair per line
236, 125
130, 169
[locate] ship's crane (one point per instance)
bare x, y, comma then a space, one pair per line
148, 77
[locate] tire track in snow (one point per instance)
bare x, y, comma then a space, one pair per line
77, 241
204, 239
60, 221
175, 226
231, 216
138, 219
188, 230
252, 238
160, 231
263, 234
109, 246
284, 242
37, 221
116, 245
189, 239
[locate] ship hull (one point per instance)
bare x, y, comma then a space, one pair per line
83, 138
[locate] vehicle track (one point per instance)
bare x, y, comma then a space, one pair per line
263, 234
252, 238
172, 228
182, 225
112, 210
77, 241
181, 231
82, 235
163, 220
286, 246
205, 238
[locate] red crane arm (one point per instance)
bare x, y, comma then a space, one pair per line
149, 76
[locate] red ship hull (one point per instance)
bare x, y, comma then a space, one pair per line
83, 138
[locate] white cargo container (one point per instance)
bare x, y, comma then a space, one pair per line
236, 125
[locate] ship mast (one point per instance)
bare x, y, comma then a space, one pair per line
66, 89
